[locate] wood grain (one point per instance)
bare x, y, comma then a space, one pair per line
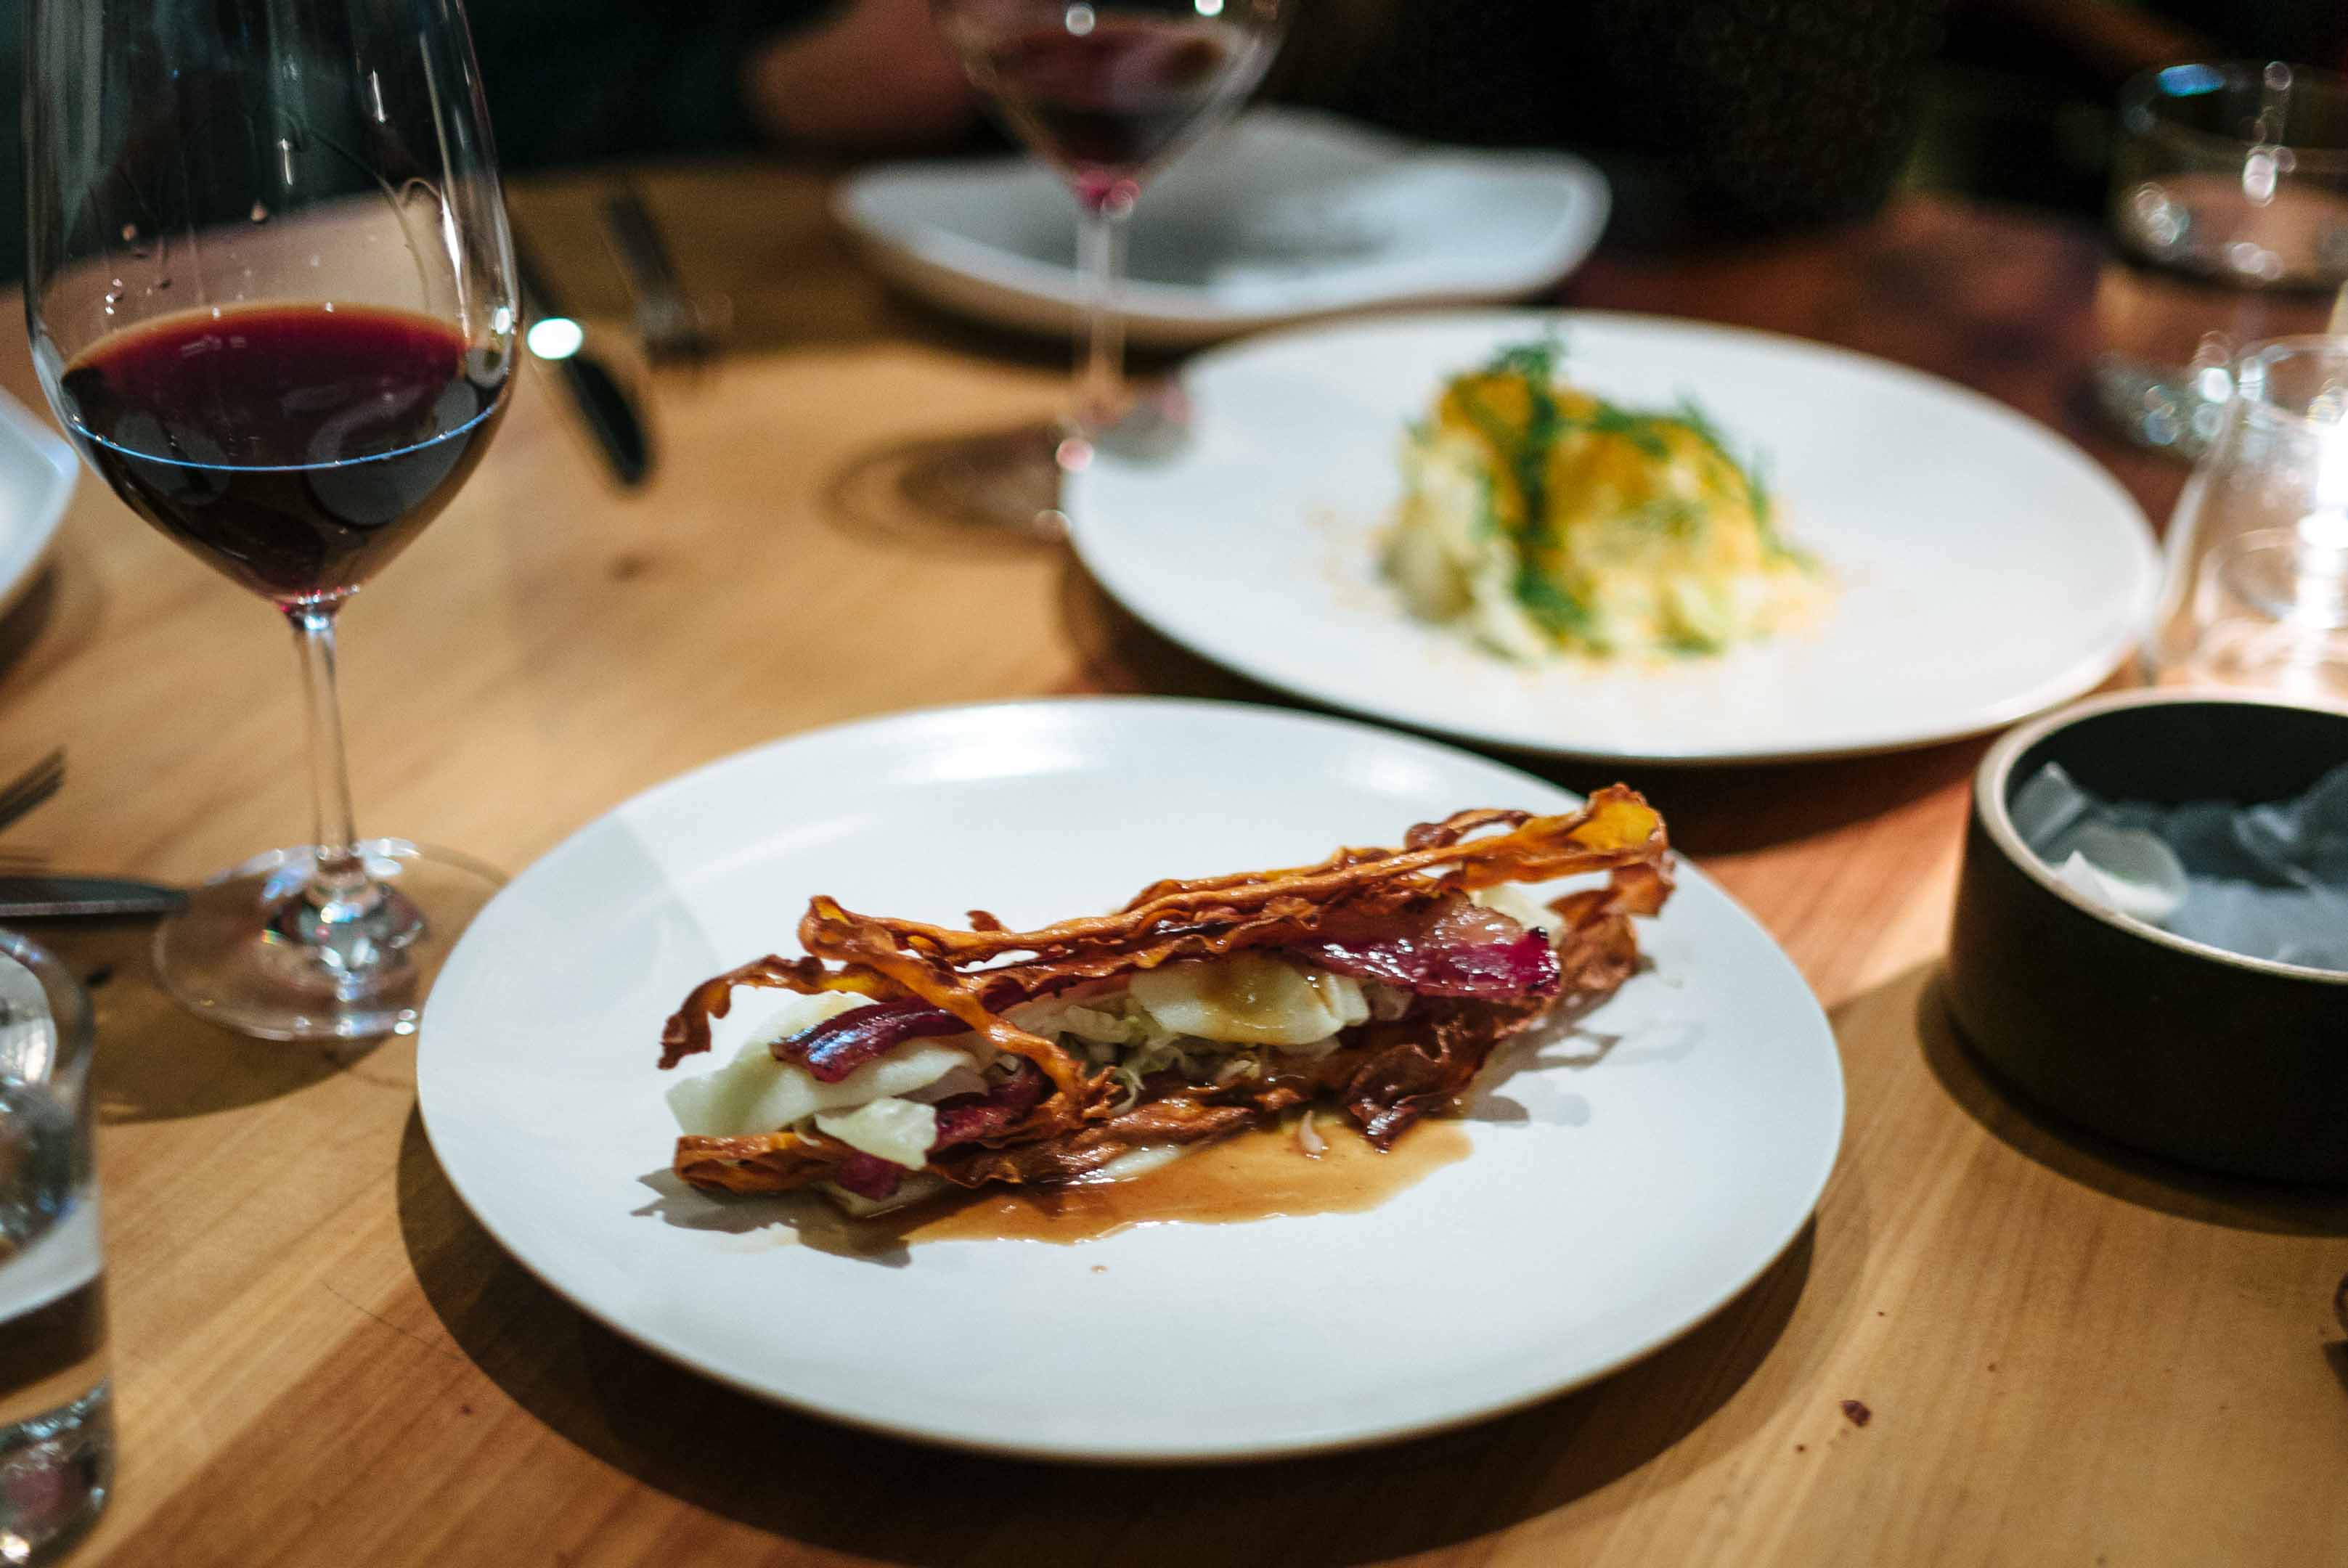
2068, 1354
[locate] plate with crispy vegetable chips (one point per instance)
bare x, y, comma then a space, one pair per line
1621, 536
929, 1073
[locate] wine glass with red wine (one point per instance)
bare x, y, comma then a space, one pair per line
272, 299
1106, 94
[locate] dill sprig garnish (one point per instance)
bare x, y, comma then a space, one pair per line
1641, 430
1535, 361
1552, 607
1526, 455
1691, 413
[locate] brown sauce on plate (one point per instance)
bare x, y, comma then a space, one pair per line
1254, 1176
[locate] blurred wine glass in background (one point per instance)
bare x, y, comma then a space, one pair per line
1106, 93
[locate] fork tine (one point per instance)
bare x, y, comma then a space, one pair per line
35, 782
29, 789
53, 763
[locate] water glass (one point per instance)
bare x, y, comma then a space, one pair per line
56, 1431
2228, 224
2256, 590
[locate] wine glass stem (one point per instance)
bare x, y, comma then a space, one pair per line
1100, 267
340, 892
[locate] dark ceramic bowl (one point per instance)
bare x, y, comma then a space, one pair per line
2230, 1063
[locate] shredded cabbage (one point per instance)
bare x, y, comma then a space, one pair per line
898, 1131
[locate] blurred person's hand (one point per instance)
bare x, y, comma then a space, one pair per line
875, 76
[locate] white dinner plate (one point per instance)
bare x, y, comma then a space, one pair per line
38, 471
1283, 215
1985, 569
1609, 1202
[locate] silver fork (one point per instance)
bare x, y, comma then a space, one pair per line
31, 787
668, 321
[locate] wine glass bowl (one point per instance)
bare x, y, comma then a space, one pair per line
1107, 92
272, 299
296, 448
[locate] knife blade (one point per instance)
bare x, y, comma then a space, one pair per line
55, 898
602, 400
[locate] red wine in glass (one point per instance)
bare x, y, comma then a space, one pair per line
1107, 104
296, 447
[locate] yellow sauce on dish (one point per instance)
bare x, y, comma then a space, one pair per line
1542, 519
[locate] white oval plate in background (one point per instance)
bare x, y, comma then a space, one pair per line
1283, 215
1985, 568
1605, 1208
38, 471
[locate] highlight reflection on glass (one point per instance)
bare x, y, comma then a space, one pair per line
555, 337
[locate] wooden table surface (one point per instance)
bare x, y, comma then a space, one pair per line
2071, 1355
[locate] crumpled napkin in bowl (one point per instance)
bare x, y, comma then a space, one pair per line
2267, 881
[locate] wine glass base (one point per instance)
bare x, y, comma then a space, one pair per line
1153, 425
1008, 481
2260, 658
999, 481
231, 956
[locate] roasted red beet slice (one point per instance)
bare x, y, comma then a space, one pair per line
845, 1042
1459, 950
966, 1117
869, 1175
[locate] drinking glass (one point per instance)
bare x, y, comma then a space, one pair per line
56, 1425
1106, 94
2228, 224
2256, 590
271, 297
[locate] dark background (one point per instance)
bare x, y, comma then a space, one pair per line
1715, 117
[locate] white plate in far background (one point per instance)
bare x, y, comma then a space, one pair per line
38, 471
1604, 1210
1987, 569
1283, 215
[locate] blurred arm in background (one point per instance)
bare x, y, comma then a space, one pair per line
874, 76
580, 81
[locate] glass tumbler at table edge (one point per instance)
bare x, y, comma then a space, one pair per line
1106, 94
2228, 224
56, 1422
270, 296
2255, 589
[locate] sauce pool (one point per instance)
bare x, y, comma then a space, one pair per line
1254, 1177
